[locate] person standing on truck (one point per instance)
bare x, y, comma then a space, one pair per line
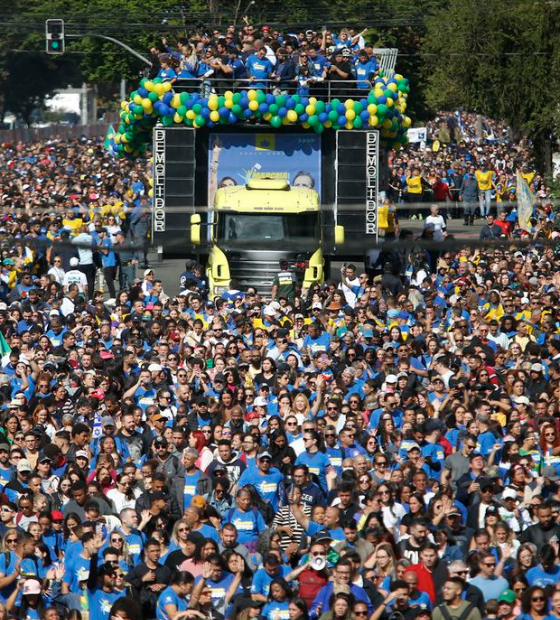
284, 284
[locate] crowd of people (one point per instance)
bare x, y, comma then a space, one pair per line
381, 446
325, 64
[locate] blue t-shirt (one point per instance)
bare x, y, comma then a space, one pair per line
269, 486
259, 68
169, 597
262, 580
77, 570
317, 464
100, 603
276, 610
248, 524
218, 589
364, 73
537, 576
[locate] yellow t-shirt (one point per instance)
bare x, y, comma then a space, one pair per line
414, 185
484, 179
386, 219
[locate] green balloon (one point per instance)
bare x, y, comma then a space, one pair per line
236, 97
296, 98
276, 121
333, 116
197, 108
221, 101
157, 80
357, 122
299, 109
181, 110
335, 103
281, 101
143, 82
188, 122
237, 110
313, 120
184, 97
320, 107
153, 97
358, 107
273, 109
382, 109
200, 120
371, 99
261, 97
167, 121
319, 128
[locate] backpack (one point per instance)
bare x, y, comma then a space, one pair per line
466, 612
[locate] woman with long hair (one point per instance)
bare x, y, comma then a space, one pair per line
393, 512
283, 455
547, 572
279, 598
534, 604
198, 441
341, 607
383, 562
416, 510
549, 444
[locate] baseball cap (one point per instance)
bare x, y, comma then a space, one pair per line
521, 400
509, 494
107, 420
31, 586
24, 465
147, 271
317, 306
82, 454
56, 515
260, 402
391, 379
507, 596
537, 367
454, 510
199, 502
550, 472
4, 446
265, 454
161, 441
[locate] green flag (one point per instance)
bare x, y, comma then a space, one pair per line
107, 145
5, 348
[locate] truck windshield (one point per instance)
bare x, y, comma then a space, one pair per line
268, 227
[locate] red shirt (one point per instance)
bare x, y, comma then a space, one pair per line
425, 580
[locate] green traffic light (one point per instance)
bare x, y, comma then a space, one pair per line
55, 44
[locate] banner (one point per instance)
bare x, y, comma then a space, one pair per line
108, 144
417, 134
525, 202
236, 158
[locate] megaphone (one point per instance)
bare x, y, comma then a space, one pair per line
318, 562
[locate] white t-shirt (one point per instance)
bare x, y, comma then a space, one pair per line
75, 277
439, 226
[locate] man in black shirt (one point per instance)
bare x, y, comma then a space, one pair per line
340, 71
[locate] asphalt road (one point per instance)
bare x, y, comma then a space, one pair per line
169, 270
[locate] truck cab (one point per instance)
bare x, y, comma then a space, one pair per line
253, 227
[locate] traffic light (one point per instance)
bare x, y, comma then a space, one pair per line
54, 29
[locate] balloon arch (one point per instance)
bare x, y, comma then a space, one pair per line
155, 101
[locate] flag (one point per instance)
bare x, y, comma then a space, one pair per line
525, 202
108, 144
5, 348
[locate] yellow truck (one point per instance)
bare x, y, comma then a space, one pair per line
254, 226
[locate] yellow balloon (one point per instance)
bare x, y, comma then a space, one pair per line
191, 115
124, 139
146, 103
137, 100
387, 123
306, 125
378, 93
213, 102
214, 116
313, 100
349, 126
128, 148
151, 193
229, 95
350, 115
166, 87
372, 109
392, 87
292, 116
252, 95
175, 102
228, 104
177, 118
253, 105
149, 85
407, 122
267, 116
310, 110
373, 120
390, 102
117, 138
349, 103
158, 89
398, 77
285, 120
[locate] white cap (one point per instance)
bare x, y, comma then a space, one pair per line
155, 368
317, 306
390, 379
509, 493
260, 401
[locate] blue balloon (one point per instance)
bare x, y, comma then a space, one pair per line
263, 108
244, 102
341, 109
282, 112
205, 112
143, 92
223, 112
189, 104
304, 101
210, 123
167, 98
382, 99
364, 102
270, 99
290, 104
195, 96
247, 113
232, 119
364, 115
303, 117
328, 108
204, 101
323, 117
342, 120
